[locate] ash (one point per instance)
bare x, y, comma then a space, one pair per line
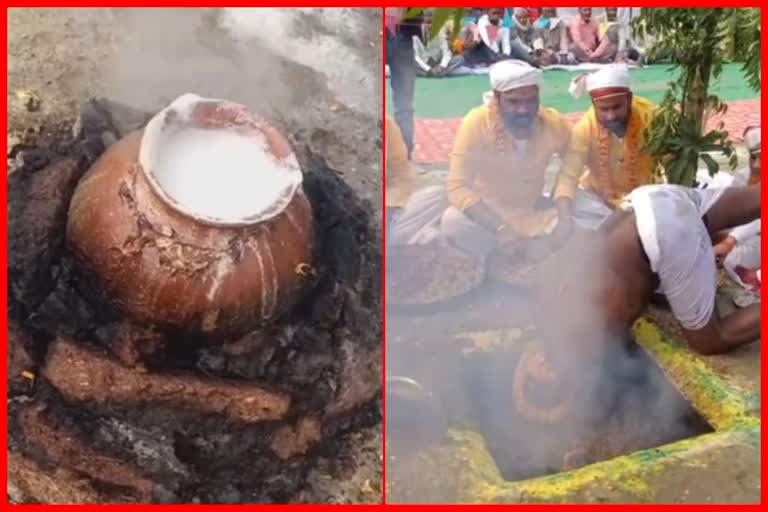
169, 446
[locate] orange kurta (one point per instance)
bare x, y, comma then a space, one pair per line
614, 167
487, 165
399, 176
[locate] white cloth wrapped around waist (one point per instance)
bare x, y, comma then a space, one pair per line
679, 248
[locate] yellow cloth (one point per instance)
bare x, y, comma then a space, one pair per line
400, 178
585, 151
603, 27
486, 165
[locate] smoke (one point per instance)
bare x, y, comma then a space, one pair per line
277, 61
616, 399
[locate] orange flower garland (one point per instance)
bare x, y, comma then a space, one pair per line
607, 182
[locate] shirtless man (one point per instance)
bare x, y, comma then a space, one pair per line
658, 240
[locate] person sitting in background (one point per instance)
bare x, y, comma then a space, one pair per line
468, 36
614, 38
400, 180
553, 30
433, 56
526, 43
587, 46
524, 31
494, 41
739, 250
497, 173
608, 141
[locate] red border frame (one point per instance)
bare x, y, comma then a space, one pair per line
380, 4
764, 53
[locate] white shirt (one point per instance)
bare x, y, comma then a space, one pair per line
435, 49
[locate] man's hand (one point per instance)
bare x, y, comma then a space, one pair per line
723, 249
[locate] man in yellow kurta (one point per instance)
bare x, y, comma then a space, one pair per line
606, 160
400, 181
497, 170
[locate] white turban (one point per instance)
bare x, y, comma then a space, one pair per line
509, 75
752, 139
520, 10
609, 80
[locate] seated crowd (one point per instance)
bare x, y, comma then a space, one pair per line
537, 36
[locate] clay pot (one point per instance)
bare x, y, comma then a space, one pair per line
165, 261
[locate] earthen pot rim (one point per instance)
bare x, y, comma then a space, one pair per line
191, 110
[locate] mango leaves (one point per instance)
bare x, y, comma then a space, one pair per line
696, 42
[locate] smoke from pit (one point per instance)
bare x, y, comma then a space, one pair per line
615, 401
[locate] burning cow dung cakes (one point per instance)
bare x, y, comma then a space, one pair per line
245, 341
199, 222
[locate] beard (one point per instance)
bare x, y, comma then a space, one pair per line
518, 124
618, 128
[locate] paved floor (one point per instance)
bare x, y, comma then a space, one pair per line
434, 137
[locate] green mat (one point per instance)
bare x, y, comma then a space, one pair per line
442, 98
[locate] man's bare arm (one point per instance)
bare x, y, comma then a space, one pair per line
722, 335
737, 206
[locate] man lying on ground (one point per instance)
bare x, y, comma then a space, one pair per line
660, 240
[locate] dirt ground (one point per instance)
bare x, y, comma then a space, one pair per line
317, 72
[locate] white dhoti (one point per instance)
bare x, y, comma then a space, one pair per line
679, 247
589, 210
419, 221
428, 217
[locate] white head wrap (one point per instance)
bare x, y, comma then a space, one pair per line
520, 10
752, 139
509, 75
610, 76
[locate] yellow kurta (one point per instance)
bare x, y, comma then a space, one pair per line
486, 165
628, 165
399, 176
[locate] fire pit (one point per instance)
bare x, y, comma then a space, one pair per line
504, 416
167, 347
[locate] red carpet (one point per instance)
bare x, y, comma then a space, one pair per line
434, 137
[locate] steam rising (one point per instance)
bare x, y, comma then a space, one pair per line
275, 61
617, 400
